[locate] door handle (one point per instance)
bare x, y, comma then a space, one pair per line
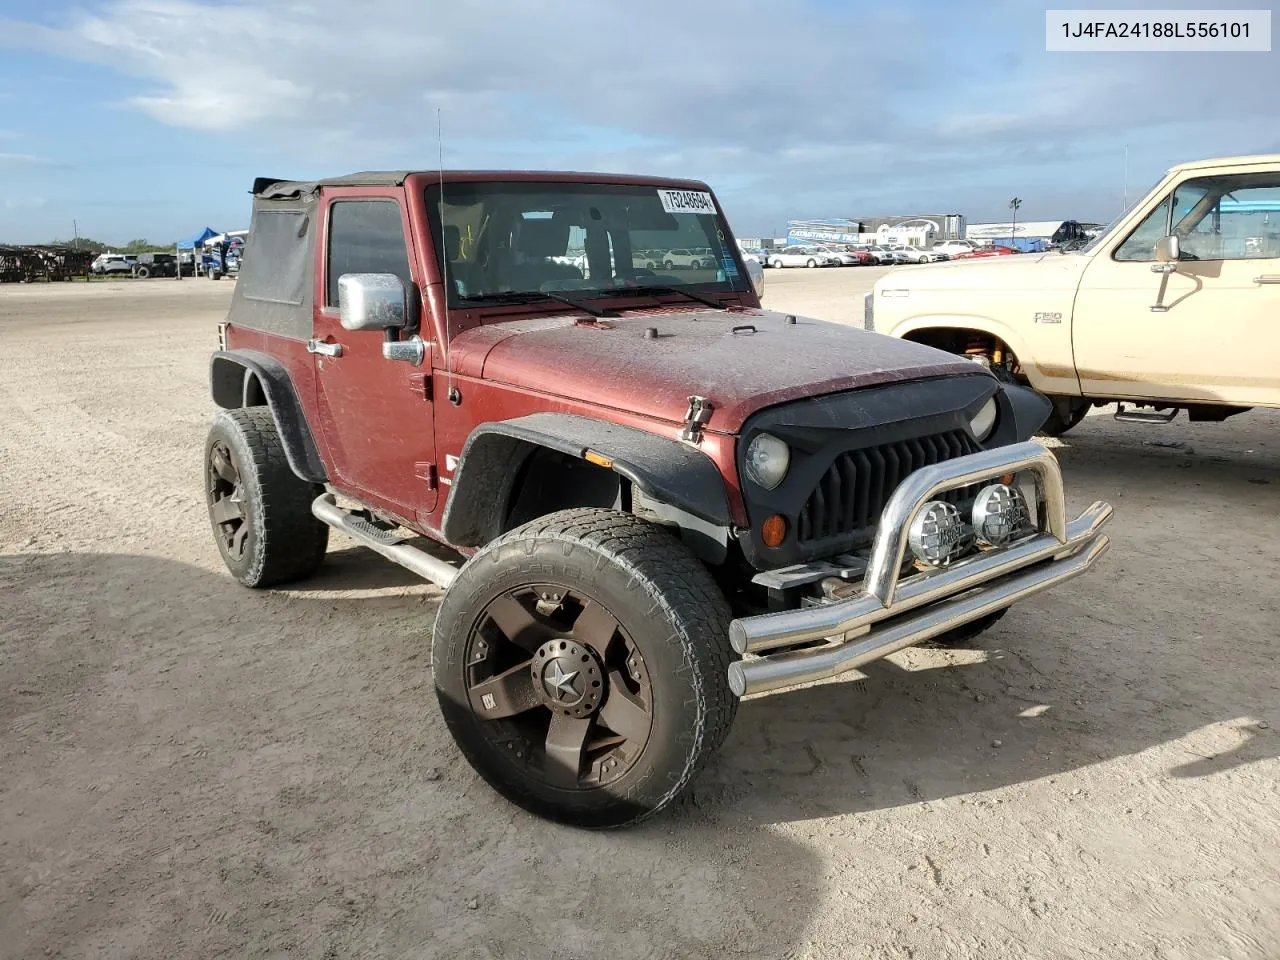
1267, 278
323, 348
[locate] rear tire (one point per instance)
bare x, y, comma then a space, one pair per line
778, 264
260, 510
600, 602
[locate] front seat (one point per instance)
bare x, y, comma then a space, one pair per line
462, 273
537, 241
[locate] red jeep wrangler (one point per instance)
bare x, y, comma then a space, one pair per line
661, 497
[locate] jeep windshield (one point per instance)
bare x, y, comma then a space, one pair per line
498, 240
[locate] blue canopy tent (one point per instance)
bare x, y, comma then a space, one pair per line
198, 240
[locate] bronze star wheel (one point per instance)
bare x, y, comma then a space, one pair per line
581, 663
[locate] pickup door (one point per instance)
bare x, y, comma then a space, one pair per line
1209, 331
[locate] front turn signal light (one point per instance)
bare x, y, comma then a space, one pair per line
773, 531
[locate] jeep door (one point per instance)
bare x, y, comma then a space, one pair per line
1210, 329
375, 413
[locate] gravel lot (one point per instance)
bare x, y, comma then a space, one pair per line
190, 769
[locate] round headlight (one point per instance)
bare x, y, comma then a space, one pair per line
984, 421
767, 460
999, 514
938, 535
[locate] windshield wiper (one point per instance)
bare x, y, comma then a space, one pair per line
652, 289
535, 296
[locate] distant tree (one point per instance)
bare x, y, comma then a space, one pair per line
84, 243
145, 246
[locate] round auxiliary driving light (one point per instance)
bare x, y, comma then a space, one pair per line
938, 535
999, 514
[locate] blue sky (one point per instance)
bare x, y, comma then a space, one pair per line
150, 118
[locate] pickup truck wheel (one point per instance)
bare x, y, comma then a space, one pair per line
259, 508
1063, 416
143, 273
581, 664
963, 636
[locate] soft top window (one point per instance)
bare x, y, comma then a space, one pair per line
276, 272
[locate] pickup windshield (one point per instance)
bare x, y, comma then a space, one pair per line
581, 240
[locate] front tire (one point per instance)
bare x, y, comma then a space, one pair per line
581, 664
260, 510
811, 264
964, 636
778, 264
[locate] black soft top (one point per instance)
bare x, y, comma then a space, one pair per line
273, 188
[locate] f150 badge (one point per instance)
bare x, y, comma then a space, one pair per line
1048, 318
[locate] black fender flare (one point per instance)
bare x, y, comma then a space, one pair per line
247, 378
664, 469
1028, 411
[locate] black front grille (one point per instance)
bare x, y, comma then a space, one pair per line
851, 495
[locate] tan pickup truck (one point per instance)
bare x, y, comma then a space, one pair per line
1175, 306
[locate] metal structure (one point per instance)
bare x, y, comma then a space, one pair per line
25, 264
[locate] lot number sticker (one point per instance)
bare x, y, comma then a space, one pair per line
687, 201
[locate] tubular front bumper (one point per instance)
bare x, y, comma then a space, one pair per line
895, 612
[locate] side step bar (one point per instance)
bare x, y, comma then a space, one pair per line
1144, 416
385, 542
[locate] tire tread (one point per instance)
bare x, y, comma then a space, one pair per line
294, 542
684, 593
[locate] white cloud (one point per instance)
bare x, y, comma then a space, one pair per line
22, 160
23, 203
791, 103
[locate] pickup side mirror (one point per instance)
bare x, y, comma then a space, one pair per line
1168, 249
372, 301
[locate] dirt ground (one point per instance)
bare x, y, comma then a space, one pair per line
191, 769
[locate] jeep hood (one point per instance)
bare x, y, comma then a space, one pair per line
696, 352
1024, 271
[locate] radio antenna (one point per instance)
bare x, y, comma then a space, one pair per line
444, 264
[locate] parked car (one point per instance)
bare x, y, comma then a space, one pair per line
918, 255
686, 259
847, 258
155, 265
803, 257
953, 248
639, 488
640, 259
990, 250
1162, 312
887, 256
108, 263
865, 257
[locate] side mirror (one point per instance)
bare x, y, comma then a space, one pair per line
372, 301
1168, 249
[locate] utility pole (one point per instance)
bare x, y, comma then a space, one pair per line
75, 229
1014, 204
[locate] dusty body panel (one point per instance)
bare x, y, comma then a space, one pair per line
696, 351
